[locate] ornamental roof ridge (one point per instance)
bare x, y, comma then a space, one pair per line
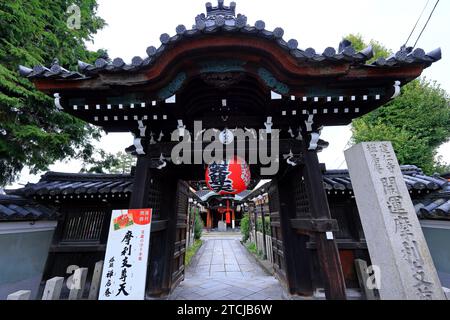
63, 176
221, 9
222, 19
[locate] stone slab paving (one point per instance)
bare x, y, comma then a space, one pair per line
223, 270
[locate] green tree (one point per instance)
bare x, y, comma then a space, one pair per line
32, 132
417, 122
124, 163
359, 44
103, 162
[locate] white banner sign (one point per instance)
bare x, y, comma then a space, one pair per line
125, 267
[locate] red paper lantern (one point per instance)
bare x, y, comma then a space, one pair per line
229, 177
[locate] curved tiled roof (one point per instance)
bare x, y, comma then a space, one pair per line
431, 194
72, 185
223, 20
68, 185
16, 208
435, 205
414, 178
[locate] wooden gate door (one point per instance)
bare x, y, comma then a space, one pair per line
168, 196
168, 244
178, 233
277, 234
291, 258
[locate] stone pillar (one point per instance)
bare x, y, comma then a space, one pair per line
78, 284
96, 280
447, 293
222, 226
364, 278
394, 237
20, 295
53, 287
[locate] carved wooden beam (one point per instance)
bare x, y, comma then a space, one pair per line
315, 225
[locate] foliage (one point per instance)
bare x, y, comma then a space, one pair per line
120, 163
245, 227
124, 163
198, 226
359, 44
417, 122
32, 132
259, 226
191, 251
251, 247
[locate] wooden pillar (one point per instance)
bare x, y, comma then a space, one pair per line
164, 188
139, 196
250, 224
263, 218
296, 255
189, 227
208, 219
175, 194
327, 250
168, 209
256, 227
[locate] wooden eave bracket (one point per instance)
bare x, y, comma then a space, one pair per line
315, 225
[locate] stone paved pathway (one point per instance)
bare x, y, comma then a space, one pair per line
224, 270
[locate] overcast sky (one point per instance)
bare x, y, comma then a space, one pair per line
133, 25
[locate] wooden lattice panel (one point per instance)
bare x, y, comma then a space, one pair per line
85, 225
277, 236
182, 200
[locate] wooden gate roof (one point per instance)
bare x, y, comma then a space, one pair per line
226, 74
223, 49
221, 28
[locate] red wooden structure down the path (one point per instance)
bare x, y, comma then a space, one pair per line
229, 213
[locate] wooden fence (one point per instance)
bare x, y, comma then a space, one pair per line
76, 283
260, 244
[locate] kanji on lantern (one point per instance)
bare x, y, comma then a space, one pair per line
228, 177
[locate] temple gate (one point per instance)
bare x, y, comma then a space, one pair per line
230, 75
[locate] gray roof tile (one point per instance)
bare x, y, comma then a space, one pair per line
225, 20
16, 208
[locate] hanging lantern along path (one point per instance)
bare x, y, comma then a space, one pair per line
228, 177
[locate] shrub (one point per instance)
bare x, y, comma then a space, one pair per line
267, 225
198, 227
251, 246
192, 250
245, 227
